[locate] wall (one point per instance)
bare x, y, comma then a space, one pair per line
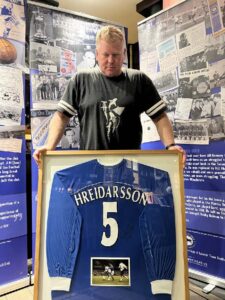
122, 12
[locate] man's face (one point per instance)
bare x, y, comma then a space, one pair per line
110, 57
70, 136
89, 58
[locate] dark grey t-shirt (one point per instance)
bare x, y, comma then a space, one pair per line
109, 108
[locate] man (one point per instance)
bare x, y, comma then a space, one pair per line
196, 109
70, 140
109, 272
109, 101
183, 42
88, 61
217, 105
216, 129
122, 268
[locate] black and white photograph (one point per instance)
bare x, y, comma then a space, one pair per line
196, 109
216, 128
86, 58
200, 86
206, 107
223, 101
194, 86
110, 271
215, 50
91, 28
191, 132
217, 74
41, 30
193, 62
10, 115
186, 41
12, 132
164, 27
47, 89
217, 104
11, 138
69, 31
170, 98
183, 108
11, 87
185, 88
46, 56
165, 81
183, 41
71, 138
189, 14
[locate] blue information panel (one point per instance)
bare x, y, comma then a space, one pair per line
206, 253
204, 176
205, 168
13, 171
13, 221
13, 259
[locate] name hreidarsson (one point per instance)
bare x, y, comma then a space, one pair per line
112, 192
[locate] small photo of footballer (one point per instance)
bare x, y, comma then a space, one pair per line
110, 271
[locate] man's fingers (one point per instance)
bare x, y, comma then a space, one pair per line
180, 149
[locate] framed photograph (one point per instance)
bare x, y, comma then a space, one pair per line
111, 225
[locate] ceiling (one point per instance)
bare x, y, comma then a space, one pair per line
119, 11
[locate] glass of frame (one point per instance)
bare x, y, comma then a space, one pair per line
111, 225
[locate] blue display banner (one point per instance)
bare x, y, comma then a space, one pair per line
206, 253
152, 146
34, 194
13, 171
13, 259
13, 221
205, 167
205, 211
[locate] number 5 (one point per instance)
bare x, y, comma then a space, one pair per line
109, 207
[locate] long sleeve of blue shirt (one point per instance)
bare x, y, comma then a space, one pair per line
63, 236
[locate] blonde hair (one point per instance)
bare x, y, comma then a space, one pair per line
110, 34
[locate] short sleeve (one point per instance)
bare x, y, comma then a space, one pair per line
66, 104
151, 102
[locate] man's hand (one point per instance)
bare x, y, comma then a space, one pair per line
180, 149
37, 154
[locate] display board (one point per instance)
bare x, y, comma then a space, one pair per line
62, 42
13, 211
131, 207
182, 50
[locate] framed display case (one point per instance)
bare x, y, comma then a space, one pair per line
111, 225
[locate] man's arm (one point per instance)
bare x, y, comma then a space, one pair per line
55, 133
165, 131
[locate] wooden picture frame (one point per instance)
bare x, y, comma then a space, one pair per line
53, 161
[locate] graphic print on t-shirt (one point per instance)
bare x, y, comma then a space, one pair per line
112, 114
